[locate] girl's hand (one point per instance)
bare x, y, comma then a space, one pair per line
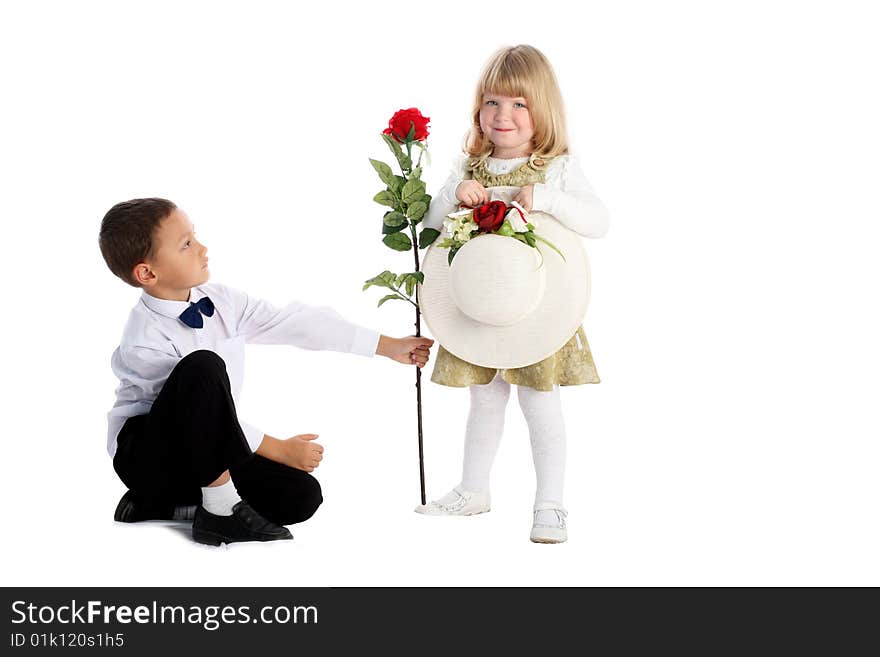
472, 193
524, 197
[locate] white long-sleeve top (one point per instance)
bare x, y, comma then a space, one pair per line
566, 195
155, 340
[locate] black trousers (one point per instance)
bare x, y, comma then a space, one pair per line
191, 436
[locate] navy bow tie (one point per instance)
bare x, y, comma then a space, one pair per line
192, 316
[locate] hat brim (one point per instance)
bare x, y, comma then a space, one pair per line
539, 334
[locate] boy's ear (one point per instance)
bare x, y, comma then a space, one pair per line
143, 274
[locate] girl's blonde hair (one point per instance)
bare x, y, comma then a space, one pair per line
522, 71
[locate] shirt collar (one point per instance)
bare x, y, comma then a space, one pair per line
168, 308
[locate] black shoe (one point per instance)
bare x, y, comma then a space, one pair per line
133, 509
244, 524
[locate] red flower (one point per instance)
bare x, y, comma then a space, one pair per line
403, 120
489, 217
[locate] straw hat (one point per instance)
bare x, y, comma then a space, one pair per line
498, 305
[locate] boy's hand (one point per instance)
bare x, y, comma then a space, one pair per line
472, 193
524, 197
410, 351
301, 452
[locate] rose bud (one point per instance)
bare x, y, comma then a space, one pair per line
405, 120
489, 217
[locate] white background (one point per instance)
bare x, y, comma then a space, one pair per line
733, 317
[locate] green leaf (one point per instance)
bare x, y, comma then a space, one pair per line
386, 197
384, 172
416, 173
398, 241
412, 191
410, 284
391, 222
385, 279
418, 277
427, 237
404, 160
394, 218
551, 245
388, 230
399, 182
412, 131
505, 229
396, 150
388, 297
452, 253
417, 210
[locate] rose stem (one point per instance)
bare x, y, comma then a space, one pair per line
419, 372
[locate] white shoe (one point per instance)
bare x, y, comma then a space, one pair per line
457, 502
549, 524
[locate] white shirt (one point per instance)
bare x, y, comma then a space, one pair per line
155, 340
565, 194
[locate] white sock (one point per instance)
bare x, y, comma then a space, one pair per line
543, 413
219, 500
483, 434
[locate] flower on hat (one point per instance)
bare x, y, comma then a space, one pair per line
517, 218
490, 215
459, 226
494, 218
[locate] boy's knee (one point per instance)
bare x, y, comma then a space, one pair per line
201, 362
300, 504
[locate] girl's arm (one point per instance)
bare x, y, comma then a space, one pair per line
444, 201
568, 196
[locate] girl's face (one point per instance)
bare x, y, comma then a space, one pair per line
506, 121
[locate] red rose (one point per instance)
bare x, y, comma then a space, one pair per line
403, 120
489, 217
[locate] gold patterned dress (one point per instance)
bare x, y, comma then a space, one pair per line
571, 365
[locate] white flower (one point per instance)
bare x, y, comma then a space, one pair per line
516, 221
459, 225
463, 234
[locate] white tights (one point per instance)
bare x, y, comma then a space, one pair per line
543, 413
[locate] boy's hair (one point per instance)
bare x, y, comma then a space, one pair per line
522, 71
126, 236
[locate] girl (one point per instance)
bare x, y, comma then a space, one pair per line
518, 138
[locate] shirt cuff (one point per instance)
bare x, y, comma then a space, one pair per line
540, 200
365, 343
448, 195
253, 435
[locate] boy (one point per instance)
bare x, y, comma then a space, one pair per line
173, 433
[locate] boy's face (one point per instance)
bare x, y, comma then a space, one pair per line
178, 260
